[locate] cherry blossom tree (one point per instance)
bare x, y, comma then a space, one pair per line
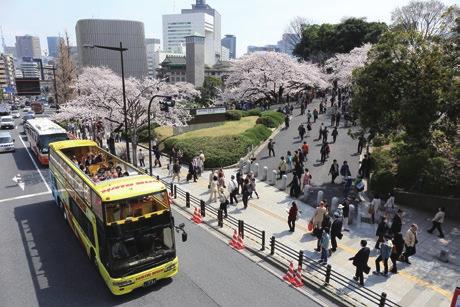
341, 66
100, 99
270, 76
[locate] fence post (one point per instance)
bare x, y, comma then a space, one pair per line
241, 228
272, 245
175, 191
187, 199
300, 257
263, 240
220, 218
328, 273
171, 187
203, 208
383, 298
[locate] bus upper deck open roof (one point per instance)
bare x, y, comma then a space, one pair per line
114, 189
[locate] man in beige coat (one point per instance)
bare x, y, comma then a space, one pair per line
410, 240
318, 216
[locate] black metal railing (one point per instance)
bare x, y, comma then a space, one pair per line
331, 277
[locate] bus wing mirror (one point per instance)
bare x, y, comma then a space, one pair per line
184, 236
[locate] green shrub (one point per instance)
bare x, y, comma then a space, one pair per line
144, 133
270, 119
410, 168
252, 112
233, 115
380, 140
438, 177
220, 151
382, 160
382, 182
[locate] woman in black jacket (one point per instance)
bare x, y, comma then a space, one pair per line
382, 229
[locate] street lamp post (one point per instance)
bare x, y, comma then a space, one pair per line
171, 104
121, 50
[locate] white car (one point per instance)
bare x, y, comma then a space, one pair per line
15, 114
6, 142
27, 109
7, 122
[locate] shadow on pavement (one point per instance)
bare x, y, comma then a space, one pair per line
61, 272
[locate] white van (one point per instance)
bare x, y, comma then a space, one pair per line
6, 142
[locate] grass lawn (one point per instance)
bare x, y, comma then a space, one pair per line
163, 132
228, 128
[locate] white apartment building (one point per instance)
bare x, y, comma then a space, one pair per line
30, 70
6, 71
201, 20
225, 54
152, 45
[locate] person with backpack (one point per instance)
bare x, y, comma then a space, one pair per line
385, 251
334, 170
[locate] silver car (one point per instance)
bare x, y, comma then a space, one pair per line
6, 142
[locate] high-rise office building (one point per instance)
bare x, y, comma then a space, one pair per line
53, 45
201, 19
229, 41
28, 46
110, 32
6, 71
152, 45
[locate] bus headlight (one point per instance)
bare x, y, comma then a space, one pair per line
170, 267
123, 283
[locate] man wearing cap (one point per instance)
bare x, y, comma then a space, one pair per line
410, 240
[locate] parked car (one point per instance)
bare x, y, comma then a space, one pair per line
7, 122
26, 117
6, 142
15, 114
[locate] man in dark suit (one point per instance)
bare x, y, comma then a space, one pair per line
360, 262
396, 225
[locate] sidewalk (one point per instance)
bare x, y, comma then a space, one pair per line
427, 282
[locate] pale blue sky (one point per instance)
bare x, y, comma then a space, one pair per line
254, 22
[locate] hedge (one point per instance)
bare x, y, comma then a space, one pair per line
220, 151
233, 115
271, 119
382, 182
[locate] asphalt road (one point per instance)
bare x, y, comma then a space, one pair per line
42, 264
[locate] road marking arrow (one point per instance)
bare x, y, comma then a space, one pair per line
18, 180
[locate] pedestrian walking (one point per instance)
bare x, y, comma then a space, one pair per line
202, 159
389, 206
239, 180
325, 241
302, 109
176, 171
325, 134
191, 172
360, 262
325, 225
157, 154
437, 222
141, 157
252, 181
315, 115
346, 213
317, 218
364, 170
398, 247
294, 187
361, 143
337, 119
286, 121
233, 190
396, 224
309, 117
385, 252
334, 170
332, 119
345, 171
302, 131
336, 231
271, 148
305, 150
282, 167
306, 179
214, 187
410, 241
323, 152
334, 134
321, 129
292, 216
223, 201
246, 192
289, 161
382, 229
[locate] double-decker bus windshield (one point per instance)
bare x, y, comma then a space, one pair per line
136, 206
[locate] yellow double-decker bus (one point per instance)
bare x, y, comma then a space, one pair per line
121, 216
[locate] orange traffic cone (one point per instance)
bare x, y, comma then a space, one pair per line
198, 218
239, 243
289, 277
194, 214
297, 280
234, 241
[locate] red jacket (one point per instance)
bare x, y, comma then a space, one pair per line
292, 213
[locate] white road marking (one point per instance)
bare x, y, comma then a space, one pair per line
19, 181
24, 196
35, 164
